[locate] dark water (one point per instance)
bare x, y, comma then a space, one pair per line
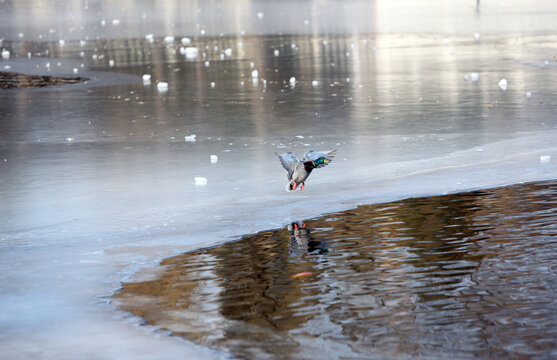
470, 275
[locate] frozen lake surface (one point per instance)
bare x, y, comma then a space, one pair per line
97, 181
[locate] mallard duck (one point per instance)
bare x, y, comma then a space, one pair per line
298, 171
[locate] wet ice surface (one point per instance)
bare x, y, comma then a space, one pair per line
99, 182
470, 275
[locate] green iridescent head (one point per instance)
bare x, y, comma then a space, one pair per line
319, 161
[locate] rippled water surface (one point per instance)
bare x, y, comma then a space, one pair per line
467, 275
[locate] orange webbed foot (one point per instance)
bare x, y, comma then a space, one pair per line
302, 187
294, 185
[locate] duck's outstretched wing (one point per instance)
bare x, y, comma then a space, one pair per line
319, 158
289, 161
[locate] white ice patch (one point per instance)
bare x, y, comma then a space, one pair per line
162, 86
200, 181
5, 54
214, 159
149, 38
292, 82
186, 40
474, 76
255, 74
169, 39
315, 83
502, 84
191, 52
190, 138
545, 159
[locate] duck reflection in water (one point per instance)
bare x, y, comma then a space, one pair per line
301, 241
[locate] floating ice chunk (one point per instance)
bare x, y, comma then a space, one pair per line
162, 86
300, 136
103, 22
545, 159
207, 63
255, 74
528, 94
315, 83
61, 42
29, 55
251, 64
146, 77
466, 77
111, 63
228, 52
186, 40
149, 38
474, 76
214, 159
200, 181
292, 81
75, 70
5, 54
502, 84
213, 84
190, 138
260, 15
276, 52
191, 52
477, 36
82, 43
115, 22
169, 39
7, 67
347, 79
